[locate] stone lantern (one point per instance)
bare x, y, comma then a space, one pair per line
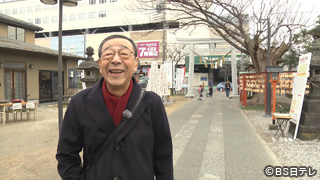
91, 69
309, 127
315, 72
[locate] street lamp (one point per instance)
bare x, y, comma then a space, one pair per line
268, 94
68, 3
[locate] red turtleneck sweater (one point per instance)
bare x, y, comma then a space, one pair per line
114, 104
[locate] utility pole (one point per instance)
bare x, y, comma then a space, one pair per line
84, 43
164, 32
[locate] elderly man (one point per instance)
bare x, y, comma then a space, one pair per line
142, 146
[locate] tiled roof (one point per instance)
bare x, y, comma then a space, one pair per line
19, 23
10, 44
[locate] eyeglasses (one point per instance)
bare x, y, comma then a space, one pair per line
124, 54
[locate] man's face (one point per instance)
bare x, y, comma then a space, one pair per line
117, 63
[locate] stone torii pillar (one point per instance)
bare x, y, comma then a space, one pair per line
191, 72
234, 72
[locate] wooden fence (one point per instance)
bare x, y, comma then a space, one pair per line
257, 83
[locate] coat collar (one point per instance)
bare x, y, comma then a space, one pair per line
98, 111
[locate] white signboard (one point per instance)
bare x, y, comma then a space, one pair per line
168, 65
179, 78
299, 88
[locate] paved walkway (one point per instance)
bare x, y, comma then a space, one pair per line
213, 140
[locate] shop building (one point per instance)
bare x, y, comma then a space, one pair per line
29, 71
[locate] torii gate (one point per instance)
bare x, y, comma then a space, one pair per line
212, 48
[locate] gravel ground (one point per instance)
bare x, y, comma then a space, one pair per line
289, 153
28, 147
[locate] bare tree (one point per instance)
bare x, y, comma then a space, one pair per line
231, 20
175, 54
235, 22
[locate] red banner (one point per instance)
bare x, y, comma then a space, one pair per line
148, 49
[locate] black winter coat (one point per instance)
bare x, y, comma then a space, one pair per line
142, 150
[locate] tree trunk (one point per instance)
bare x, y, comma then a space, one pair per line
257, 99
260, 64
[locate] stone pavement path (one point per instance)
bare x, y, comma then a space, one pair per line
212, 141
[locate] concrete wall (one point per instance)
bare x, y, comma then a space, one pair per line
29, 36
3, 30
44, 42
197, 79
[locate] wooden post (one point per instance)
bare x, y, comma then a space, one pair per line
274, 85
244, 102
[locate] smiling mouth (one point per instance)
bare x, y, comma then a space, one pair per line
116, 71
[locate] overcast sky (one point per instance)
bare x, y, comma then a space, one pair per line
310, 6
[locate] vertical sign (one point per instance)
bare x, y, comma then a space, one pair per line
179, 78
148, 49
184, 70
168, 65
299, 88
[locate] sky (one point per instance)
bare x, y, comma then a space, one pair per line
310, 6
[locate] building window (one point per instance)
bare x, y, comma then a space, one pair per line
113, 1
72, 17
22, 10
37, 21
73, 78
46, 7
48, 89
102, 1
92, 15
14, 11
91, 2
72, 50
30, 21
82, 16
54, 19
45, 20
38, 8
7, 12
16, 33
81, 3
55, 7
30, 9
102, 14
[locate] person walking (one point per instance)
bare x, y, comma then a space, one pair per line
210, 91
200, 91
227, 87
141, 144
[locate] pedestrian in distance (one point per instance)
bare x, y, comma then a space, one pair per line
122, 130
210, 91
200, 91
227, 87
